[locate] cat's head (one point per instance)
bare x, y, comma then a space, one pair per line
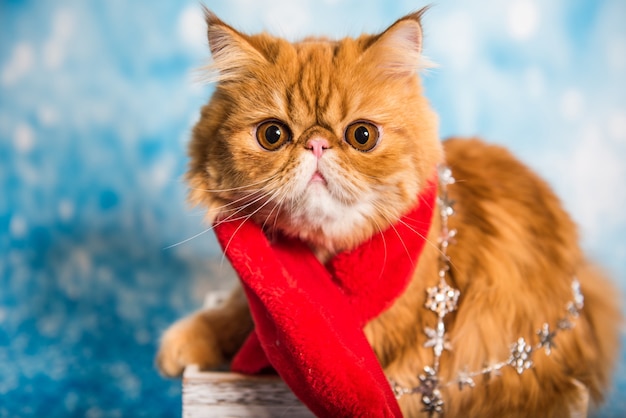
328, 141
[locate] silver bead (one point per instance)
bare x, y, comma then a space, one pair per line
521, 353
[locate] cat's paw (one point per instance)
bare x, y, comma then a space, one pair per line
188, 341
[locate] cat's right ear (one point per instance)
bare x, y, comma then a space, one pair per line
231, 51
398, 50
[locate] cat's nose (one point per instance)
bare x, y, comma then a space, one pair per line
317, 145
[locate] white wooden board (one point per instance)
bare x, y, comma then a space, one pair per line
224, 394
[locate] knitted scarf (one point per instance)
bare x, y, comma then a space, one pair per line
309, 317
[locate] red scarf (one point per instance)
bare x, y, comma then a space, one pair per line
309, 318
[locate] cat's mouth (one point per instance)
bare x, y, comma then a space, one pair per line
318, 178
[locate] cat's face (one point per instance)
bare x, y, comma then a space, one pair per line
329, 141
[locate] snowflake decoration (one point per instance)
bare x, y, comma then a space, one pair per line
437, 339
446, 208
445, 176
447, 237
442, 299
565, 324
398, 389
521, 353
572, 310
493, 371
546, 338
579, 299
574, 307
431, 395
465, 379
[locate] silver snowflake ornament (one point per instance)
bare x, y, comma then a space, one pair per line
446, 207
579, 299
442, 299
398, 390
574, 307
445, 176
465, 379
447, 237
565, 324
521, 353
494, 370
432, 400
437, 339
572, 310
546, 338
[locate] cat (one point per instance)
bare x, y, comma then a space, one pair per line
331, 142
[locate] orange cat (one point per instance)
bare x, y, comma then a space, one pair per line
331, 142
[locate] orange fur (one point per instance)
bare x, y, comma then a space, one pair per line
516, 251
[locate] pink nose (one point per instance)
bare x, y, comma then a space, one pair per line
317, 145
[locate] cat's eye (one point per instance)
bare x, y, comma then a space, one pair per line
272, 134
362, 136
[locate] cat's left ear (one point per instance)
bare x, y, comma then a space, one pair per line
398, 50
231, 50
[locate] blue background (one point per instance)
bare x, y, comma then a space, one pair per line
97, 100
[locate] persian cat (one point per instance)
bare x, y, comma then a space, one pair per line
331, 141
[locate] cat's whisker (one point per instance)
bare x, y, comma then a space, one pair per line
244, 187
280, 207
277, 206
429, 242
267, 196
270, 184
384, 244
422, 201
264, 195
271, 197
197, 235
381, 211
434, 245
222, 209
194, 213
246, 218
225, 249
188, 239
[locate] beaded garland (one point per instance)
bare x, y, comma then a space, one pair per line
443, 299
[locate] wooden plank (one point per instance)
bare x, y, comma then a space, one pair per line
224, 394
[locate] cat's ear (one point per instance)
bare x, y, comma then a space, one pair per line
398, 50
231, 51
